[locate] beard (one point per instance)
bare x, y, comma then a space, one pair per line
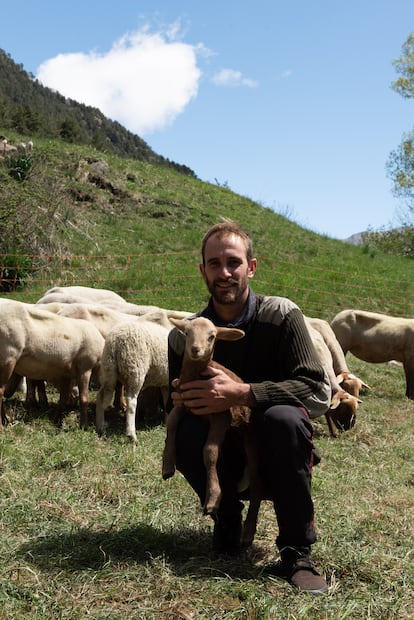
226, 293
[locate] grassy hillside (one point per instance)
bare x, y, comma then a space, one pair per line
89, 528
148, 221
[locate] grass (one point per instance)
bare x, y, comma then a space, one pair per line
90, 529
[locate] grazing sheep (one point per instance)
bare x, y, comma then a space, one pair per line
104, 319
377, 338
201, 335
38, 344
136, 355
350, 382
343, 407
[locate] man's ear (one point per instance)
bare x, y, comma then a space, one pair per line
252, 268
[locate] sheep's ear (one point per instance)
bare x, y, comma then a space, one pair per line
180, 323
229, 333
340, 378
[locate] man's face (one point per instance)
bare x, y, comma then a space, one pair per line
226, 270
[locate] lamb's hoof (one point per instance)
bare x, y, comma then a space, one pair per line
168, 472
210, 509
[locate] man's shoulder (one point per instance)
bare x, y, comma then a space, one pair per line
274, 309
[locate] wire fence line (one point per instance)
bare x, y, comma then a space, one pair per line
172, 279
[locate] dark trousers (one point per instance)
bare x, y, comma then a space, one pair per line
285, 449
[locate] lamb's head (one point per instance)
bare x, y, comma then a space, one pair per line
343, 410
201, 336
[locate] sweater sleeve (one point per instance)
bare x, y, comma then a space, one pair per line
305, 382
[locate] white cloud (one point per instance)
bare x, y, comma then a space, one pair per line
230, 77
144, 81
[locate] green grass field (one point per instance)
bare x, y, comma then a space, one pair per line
89, 528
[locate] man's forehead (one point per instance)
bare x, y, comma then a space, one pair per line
228, 242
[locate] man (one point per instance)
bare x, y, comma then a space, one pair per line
283, 383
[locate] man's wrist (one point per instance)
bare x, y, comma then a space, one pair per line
246, 396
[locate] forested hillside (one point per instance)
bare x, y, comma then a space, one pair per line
31, 109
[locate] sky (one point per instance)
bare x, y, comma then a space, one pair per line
287, 103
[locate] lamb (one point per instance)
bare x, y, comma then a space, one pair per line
342, 411
41, 345
200, 338
136, 355
377, 338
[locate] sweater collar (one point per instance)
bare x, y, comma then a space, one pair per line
242, 319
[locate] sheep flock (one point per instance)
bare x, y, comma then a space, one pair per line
76, 337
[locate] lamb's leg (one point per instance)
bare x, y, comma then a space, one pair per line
119, 398
41, 393
64, 392
255, 491
5, 373
219, 423
83, 385
103, 400
4, 420
168, 456
131, 398
409, 377
12, 385
330, 424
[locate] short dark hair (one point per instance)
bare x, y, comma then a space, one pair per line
228, 227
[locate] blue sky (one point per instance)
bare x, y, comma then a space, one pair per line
287, 103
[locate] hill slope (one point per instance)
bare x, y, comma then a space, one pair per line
32, 109
86, 217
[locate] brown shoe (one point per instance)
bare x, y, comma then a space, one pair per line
298, 569
304, 576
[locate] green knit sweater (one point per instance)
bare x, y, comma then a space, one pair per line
276, 356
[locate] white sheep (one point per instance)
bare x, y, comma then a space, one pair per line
200, 338
343, 407
377, 338
348, 380
105, 297
80, 294
136, 355
39, 344
104, 319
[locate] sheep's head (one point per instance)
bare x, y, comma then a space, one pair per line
201, 336
343, 410
351, 383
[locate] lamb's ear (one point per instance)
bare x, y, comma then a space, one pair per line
229, 333
180, 323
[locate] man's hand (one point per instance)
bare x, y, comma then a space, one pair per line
216, 393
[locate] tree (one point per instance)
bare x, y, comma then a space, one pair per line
400, 164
